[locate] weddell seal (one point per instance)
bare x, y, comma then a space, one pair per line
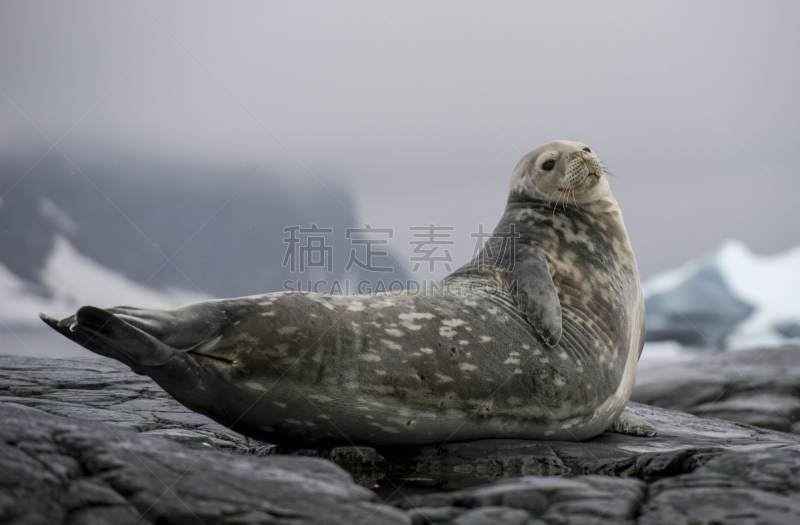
536, 338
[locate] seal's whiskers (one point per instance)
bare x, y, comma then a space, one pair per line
575, 198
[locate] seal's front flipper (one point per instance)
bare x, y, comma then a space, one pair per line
537, 297
632, 425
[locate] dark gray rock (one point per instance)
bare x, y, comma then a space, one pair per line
355, 456
734, 488
758, 387
105, 390
56, 470
788, 329
425, 515
492, 516
743, 486
702, 311
69, 470
683, 441
599, 499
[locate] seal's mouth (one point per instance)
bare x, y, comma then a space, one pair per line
582, 182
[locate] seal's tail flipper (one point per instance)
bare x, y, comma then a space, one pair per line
105, 333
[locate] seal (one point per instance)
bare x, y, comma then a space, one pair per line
536, 338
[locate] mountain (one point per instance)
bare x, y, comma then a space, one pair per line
163, 233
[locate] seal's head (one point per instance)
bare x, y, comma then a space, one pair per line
560, 170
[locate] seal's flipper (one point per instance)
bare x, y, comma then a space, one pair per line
632, 425
104, 333
63, 328
537, 298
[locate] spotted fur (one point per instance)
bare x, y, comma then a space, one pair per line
538, 342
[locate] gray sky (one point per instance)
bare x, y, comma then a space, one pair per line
422, 108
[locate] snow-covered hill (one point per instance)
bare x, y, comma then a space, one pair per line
769, 284
70, 280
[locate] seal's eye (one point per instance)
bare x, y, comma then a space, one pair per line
549, 165
587, 150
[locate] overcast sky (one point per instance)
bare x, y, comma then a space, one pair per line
423, 108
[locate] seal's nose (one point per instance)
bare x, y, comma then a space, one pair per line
576, 155
589, 160
580, 154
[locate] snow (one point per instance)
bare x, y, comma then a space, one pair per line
771, 284
75, 280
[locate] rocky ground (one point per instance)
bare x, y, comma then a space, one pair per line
86, 441
759, 387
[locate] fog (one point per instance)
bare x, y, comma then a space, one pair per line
421, 109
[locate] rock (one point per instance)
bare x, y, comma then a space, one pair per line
682, 442
181, 466
733, 487
758, 387
104, 390
426, 515
701, 311
736, 488
357, 457
492, 516
553, 500
56, 470
788, 329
